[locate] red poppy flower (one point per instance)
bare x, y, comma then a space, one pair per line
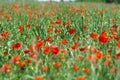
75, 67
100, 12
107, 62
38, 78
49, 29
20, 27
5, 33
21, 63
5, 52
8, 16
44, 68
118, 54
84, 27
92, 57
26, 51
64, 23
113, 69
93, 35
31, 48
57, 30
99, 54
29, 25
38, 44
16, 45
15, 58
74, 45
34, 55
55, 49
118, 44
56, 64
86, 70
46, 49
27, 61
63, 41
5, 67
48, 38
83, 48
103, 37
80, 78
63, 50
109, 50
58, 21
71, 30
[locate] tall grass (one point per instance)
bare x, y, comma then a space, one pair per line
59, 41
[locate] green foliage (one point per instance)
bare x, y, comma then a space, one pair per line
90, 0
118, 1
51, 23
107, 1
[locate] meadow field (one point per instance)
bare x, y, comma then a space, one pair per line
59, 41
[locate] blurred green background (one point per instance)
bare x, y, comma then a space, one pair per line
106, 1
